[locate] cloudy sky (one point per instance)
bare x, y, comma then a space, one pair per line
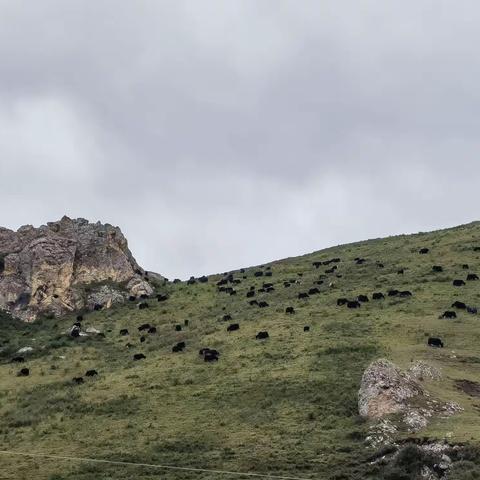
227, 133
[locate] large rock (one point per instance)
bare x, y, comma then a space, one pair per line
385, 389
47, 269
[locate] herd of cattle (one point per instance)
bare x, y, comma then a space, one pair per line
227, 285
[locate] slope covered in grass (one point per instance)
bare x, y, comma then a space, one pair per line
285, 406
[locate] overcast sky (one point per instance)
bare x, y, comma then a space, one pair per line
221, 134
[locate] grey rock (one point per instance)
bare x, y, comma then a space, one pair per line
45, 270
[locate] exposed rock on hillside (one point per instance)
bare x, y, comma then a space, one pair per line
66, 266
386, 390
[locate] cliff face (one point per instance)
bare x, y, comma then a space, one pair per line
46, 269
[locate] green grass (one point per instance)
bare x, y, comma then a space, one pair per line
285, 406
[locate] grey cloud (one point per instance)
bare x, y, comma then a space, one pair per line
224, 134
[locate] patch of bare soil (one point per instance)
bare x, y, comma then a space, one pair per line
469, 387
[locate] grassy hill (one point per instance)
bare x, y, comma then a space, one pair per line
284, 406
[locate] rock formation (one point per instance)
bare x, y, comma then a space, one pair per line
66, 266
386, 390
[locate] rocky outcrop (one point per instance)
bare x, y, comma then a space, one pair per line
66, 266
386, 390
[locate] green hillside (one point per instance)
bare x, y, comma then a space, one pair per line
286, 405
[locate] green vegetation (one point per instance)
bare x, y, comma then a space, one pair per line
284, 406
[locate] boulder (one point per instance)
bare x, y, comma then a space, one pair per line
106, 296
385, 389
25, 350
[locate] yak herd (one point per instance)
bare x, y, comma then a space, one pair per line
227, 284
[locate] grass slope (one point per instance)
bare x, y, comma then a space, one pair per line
284, 406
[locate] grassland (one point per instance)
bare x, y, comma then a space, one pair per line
284, 406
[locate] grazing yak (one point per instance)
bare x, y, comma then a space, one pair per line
342, 301
378, 296
423, 251
393, 293
78, 380
205, 350
24, 372
258, 273
472, 310
459, 305
401, 271
261, 335
437, 268
290, 310
185, 322
152, 330
268, 274
263, 304
472, 276
405, 293
91, 373
448, 314
303, 295
362, 298
253, 302
434, 342
132, 298
306, 328
209, 354
17, 360
142, 339
313, 291
142, 305
465, 266
75, 330
144, 326
353, 304
286, 284
360, 261
458, 283
210, 357
179, 347
124, 332
139, 356
250, 293
232, 327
